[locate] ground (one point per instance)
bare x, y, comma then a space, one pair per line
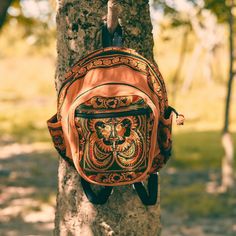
28, 187
29, 181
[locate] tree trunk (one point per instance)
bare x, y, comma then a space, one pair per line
78, 22
227, 162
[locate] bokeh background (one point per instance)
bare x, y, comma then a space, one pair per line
192, 51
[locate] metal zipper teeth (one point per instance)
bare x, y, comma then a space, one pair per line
141, 111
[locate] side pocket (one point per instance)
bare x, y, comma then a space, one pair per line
164, 139
56, 132
164, 136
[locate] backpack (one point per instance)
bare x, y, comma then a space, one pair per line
113, 123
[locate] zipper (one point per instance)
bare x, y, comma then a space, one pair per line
111, 83
141, 111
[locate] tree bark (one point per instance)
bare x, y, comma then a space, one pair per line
78, 23
5, 4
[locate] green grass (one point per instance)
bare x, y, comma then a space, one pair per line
197, 156
200, 150
25, 108
25, 127
192, 201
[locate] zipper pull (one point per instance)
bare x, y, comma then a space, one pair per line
179, 117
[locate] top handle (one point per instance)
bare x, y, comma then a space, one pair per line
115, 39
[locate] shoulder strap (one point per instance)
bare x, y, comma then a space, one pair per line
98, 199
149, 198
102, 196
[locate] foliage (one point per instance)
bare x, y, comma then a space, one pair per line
169, 10
35, 17
219, 7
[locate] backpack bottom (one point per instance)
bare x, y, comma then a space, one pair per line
148, 197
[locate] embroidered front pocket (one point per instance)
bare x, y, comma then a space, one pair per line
114, 144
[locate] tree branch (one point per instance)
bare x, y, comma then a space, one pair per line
112, 15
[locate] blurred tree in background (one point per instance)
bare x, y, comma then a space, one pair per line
36, 18
225, 10
197, 16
